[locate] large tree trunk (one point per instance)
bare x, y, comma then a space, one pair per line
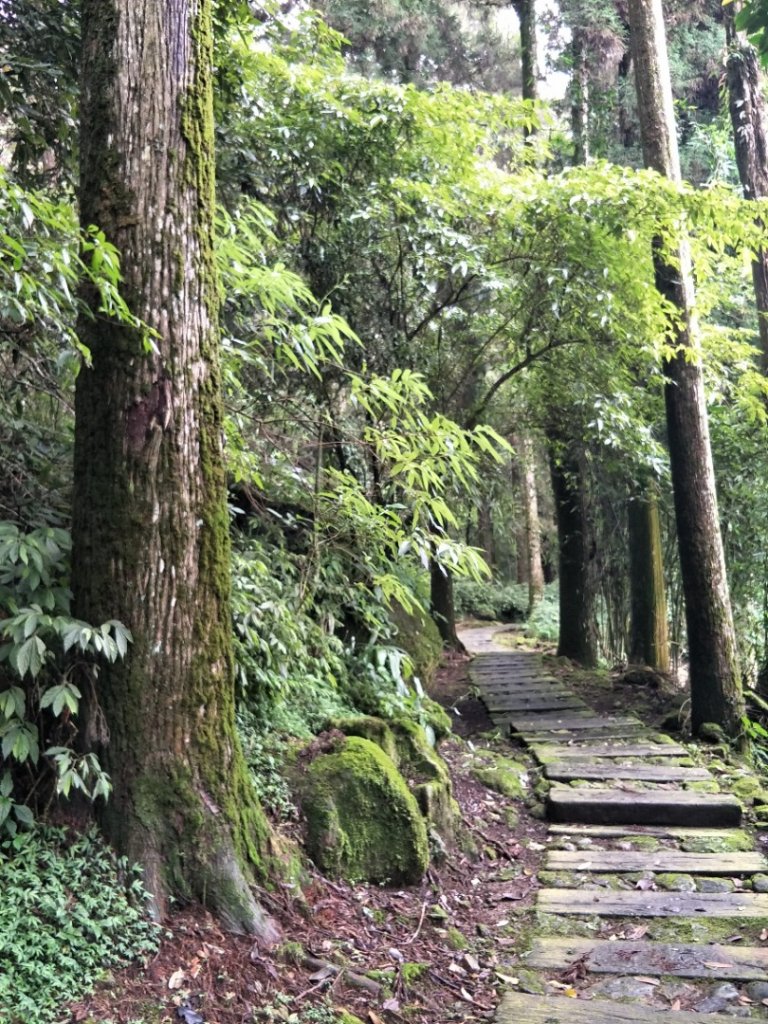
578, 634
747, 110
648, 633
150, 521
715, 682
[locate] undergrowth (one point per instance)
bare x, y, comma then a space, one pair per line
70, 910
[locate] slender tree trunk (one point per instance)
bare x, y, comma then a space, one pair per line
715, 681
532, 524
578, 635
747, 110
485, 539
648, 634
150, 522
442, 607
579, 98
526, 14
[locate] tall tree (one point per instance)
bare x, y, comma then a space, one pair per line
648, 632
150, 520
715, 681
747, 109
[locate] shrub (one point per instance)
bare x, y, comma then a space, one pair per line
70, 910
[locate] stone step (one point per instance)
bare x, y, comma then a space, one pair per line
642, 807
516, 1008
685, 960
666, 861
636, 903
575, 768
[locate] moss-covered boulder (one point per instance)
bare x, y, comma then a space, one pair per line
363, 823
425, 772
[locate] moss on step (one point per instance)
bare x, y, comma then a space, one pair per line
674, 882
729, 841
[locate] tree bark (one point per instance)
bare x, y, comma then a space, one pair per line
441, 605
716, 694
579, 98
648, 633
150, 523
747, 109
526, 14
532, 524
578, 633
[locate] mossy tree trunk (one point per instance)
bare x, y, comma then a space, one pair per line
150, 520
526, 15
716, 694
578, 633
648, 632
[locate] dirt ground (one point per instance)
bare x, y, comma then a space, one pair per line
439, 952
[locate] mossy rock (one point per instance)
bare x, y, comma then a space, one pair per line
368, 727
729, 841
673, 882
363, 823
420, 638
502, 774
746, 788
406, 743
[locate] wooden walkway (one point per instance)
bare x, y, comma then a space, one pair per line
650, 888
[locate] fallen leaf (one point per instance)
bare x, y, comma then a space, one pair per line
466, 996
176, 980
507, 978
637, 932
764, 934
647, 980
457, 969
393, 1005
374, 1018
675, 1005
715, 966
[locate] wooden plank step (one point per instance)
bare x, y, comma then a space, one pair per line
684, 960
514, 702
642, 807
559, 751
564, 771
659, 831
517, 1008
587, 719
587, 734
648, 807
659, 860
524, 686
634, 903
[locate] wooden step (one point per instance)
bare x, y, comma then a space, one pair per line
586, 734
659, 831
642, 807
516, 1008
558, 751
634, 903
565, 771
512, 702
602, 956
576, 720
610, 861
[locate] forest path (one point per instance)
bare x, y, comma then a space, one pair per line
648, 883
